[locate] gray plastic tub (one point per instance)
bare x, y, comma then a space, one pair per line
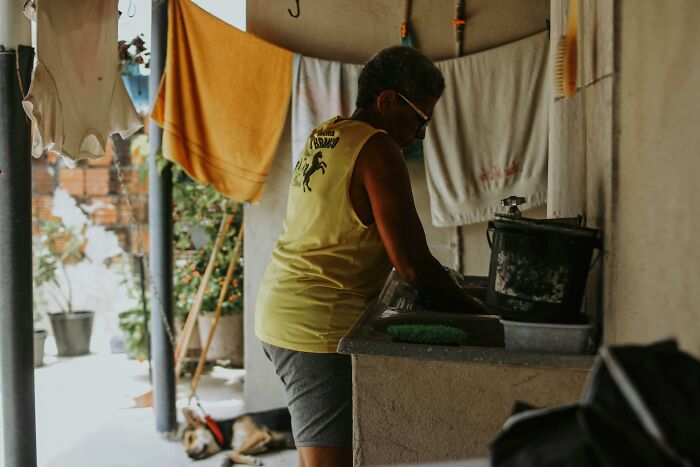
546, 337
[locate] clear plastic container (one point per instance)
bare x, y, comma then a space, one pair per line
397, 295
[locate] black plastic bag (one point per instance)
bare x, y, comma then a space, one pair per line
543, 438
641, 407
655, 388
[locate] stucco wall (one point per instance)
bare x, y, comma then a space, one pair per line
657, 257
417, 411
351, 31
624, 153
263, 225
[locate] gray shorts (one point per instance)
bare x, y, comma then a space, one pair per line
319, 395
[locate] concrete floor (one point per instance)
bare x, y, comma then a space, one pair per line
84, 419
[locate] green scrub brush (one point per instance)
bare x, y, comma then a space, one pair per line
437, 334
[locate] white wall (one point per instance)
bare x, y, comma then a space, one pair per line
657, 255
625, 153
263, 224
15, 29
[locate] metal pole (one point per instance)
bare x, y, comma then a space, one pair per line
160, 196
16, 312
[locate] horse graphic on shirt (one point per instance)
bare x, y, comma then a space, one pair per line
316, 164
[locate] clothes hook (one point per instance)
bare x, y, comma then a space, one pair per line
298, 11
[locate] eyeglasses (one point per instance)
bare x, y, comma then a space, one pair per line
425, 119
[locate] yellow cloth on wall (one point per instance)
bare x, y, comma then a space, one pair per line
222, 101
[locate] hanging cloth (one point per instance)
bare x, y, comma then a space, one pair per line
321, 89
490, 132
222, 101
77, 97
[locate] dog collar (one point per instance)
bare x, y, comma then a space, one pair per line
215, 430
212, 426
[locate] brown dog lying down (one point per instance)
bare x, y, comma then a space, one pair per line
247, 434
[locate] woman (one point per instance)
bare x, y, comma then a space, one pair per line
350, 217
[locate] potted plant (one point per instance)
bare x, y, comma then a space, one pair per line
133, 62
133, 321
227, 341
58, 247
134, 326
39, 333
39, 341
198, 210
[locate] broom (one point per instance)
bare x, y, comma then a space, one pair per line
217, 313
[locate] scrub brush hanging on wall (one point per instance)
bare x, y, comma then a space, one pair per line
565, 63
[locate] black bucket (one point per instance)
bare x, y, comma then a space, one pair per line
538, 269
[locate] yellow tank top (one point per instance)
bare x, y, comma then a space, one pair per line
327, 264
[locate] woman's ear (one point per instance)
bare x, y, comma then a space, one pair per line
385, 100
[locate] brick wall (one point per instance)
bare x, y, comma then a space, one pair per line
93, 182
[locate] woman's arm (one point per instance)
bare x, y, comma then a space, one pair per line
381, 168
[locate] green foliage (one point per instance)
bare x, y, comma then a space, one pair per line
57, 246
161, 162
45, 265
198, 210
189, 272
133, 324
200, 207
132, 321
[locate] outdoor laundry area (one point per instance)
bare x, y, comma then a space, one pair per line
257, 232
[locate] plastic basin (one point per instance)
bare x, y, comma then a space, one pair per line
546, 337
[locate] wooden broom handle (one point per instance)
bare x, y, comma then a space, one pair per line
217, 314
186, 335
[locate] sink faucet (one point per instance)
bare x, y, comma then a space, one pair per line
512, 203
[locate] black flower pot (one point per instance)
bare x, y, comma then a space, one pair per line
39, 338
72, 332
